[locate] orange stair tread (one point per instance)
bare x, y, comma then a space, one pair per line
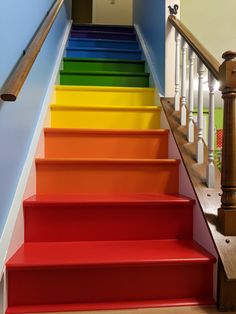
106, 161
105, 131
138, 198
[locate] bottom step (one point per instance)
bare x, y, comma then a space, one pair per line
108, 274
108, 306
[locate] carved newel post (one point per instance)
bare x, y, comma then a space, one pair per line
227, 212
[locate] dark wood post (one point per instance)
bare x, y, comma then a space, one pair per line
227, 212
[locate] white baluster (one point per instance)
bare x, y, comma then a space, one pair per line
177, 70
191, 97
183, 110
200, 142
211, 131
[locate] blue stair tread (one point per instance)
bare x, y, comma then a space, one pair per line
152, 198
104, 49
102, 32
103, 40
109, 253
103, 60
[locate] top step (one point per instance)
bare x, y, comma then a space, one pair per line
104, 28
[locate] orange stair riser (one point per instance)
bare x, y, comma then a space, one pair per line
74, 285
75, 178
86, 145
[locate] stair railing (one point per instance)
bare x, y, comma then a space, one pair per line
226, 75
16, 79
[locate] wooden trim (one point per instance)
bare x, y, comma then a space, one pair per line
14, 83
206, 57
209, 199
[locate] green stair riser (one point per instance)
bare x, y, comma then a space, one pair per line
112, 66
104, 80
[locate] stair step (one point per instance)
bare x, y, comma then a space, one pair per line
102, 28
111, 305
111, 65
102, 43
75, 273
102, 78
124, 54
103, 35
104, 117
107, 217
90, 143
104, 96
73, 176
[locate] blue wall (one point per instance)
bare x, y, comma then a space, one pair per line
149, 15
18, 23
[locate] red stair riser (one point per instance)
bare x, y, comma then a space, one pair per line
100, 222
106, 177
61, 143
42, 286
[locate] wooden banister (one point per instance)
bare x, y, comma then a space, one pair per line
227, 212
14, 83
204, 55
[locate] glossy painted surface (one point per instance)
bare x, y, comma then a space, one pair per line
107, 228
88, 143
114, 65
98, 117
103, 43
75, 176
111, 218
103, 96
103, 53
104, 79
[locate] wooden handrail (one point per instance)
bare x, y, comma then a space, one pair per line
206, 57
14, 83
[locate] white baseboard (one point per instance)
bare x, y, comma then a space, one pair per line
147, 57
19, 194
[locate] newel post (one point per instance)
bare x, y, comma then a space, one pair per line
227, 212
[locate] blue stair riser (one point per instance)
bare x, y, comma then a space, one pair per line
93, 43
101, 28
105, 35
75, 53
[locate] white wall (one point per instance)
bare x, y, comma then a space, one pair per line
213, 22
116, 12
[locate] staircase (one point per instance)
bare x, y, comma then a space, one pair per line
107, 228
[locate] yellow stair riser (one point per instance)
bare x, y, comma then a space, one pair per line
103, 96
105, 118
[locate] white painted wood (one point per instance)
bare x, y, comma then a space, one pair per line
191, 96
169, 48
16, 206
177, 71
200, 141
211, 132
183, 110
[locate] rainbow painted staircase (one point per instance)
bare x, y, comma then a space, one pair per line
107, 228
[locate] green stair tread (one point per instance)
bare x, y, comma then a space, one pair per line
105, 73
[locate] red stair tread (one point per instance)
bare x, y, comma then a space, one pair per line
109, 198
109, 305
109, 253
